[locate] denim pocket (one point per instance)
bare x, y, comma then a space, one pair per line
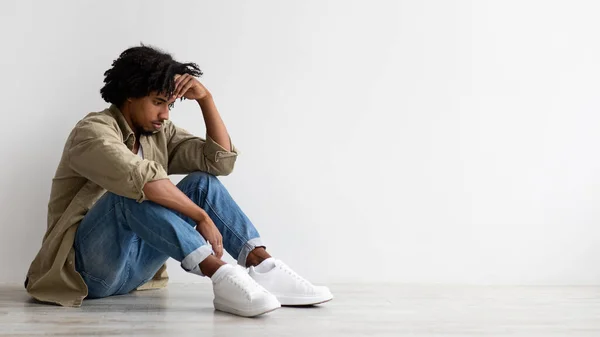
97, 288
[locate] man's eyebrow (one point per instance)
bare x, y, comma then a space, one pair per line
161, 99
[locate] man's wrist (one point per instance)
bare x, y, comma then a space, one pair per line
200, 215
204, 100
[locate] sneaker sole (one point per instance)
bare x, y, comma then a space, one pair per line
303, 301
254, 313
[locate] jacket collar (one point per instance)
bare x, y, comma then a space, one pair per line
123, 126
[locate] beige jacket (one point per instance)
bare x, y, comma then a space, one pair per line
98, 157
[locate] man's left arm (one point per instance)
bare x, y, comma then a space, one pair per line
215, 128
188, 153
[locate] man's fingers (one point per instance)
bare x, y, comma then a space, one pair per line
218, 248
178, 80
220, 243
184, 85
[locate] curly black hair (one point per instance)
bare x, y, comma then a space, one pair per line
141, 70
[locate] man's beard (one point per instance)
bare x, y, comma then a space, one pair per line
148, 133
145, 132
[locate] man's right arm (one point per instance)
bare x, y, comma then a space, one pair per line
96, 152
165, 193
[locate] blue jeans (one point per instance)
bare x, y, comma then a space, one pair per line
120, 244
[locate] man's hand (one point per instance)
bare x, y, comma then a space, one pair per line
206, 227
189, 87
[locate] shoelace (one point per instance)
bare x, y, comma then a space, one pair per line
307, 285
244, 282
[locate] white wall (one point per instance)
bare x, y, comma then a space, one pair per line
401, 141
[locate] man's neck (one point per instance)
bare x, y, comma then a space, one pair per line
126, 113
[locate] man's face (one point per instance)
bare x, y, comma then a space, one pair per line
149, 112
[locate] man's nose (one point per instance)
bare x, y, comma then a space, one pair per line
163, 115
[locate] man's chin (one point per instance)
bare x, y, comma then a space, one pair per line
150, 132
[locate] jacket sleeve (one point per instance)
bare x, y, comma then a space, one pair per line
188, 153
97, 152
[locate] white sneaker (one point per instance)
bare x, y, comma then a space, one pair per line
237, 293
289, 287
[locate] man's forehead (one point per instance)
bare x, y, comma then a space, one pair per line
161, 97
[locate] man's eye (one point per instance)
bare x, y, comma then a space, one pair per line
171, 106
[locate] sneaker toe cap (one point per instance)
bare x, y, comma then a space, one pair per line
322, 290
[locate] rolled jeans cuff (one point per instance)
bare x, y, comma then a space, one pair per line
247, 248
191, 263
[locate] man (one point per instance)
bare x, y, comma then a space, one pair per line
114, 217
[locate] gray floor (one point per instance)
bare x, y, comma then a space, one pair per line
357, 310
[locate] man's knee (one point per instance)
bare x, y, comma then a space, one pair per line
198, 178
116, 200
201, 176
119, 202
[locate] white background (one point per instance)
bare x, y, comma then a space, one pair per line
381, 141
